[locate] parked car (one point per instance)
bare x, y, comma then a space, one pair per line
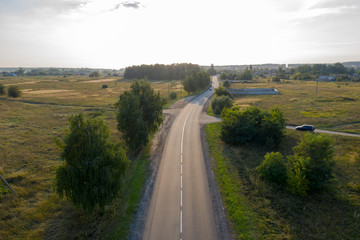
309, 128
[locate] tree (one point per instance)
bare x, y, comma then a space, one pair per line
315, 154
93, 167
20, 72
2, 89
95, 74
212, 70
221, 91
196, 81
219, 103
14, 91
252, 125
139, 114
226, 84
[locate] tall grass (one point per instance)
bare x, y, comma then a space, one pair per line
29, 157
273, 213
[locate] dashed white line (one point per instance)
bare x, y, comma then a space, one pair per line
181, 172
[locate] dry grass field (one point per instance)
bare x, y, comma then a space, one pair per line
29, 157
335, 106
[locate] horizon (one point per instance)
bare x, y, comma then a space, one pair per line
114, 34
215, 65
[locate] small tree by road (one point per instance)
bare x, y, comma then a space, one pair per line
139, 114
93, 167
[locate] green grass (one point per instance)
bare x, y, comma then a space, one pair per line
274, 213
133, 185
29, 158
236, 203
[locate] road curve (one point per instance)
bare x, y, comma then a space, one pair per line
181, 206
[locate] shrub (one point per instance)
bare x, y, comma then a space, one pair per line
104, 86
221, 91
317, 154
173, 95
2, 89
219, 103
252, 125
273, 169
14, 91
297, 182
275, 79
226, 84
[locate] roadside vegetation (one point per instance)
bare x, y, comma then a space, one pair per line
262, 210
307, 185
29, 157
222, 99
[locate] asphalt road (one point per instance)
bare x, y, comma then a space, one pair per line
181, 206
329, 132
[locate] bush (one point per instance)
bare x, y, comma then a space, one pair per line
315, 155
252, 125
226, 84
219, 103
104, 86
2, 89
297, 181
221, 91
14, 91
173, 95
272, 169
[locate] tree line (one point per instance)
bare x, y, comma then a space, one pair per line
247, 74
65, 72
161, 71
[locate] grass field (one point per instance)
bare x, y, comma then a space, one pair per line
29, 158
261, 211
333, 106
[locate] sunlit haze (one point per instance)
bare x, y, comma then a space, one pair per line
116, 34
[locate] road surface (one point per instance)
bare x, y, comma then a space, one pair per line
181, 206
329, 132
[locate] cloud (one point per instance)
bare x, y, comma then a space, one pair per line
337, 4
134, 5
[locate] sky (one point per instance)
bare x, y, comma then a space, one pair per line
115, 33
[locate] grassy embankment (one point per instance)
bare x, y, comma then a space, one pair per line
29, 158
260, 211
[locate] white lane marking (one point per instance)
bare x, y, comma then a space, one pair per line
181, 171
180, 224
181, 199
181, 182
